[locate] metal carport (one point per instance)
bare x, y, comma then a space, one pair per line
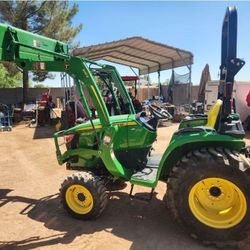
137, 52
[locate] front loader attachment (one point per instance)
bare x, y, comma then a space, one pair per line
37, 53
17, 45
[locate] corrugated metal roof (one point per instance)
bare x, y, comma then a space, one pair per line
146, 55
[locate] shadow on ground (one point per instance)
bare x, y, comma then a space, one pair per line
43, 132
147, 226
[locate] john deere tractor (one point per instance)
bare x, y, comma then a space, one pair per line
205, 165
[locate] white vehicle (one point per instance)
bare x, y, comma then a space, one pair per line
240, 92
211, 94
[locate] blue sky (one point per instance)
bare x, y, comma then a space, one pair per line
194, 26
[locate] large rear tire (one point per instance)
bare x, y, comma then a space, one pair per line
84, 196
209, 194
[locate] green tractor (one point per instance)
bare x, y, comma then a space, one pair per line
205, 165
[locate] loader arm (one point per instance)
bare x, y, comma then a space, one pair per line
37, 53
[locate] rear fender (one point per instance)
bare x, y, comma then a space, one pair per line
182, 144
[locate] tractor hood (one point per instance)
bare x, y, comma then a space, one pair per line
119, 120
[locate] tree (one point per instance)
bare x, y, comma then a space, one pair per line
40, 85
9, 81
49, 18
60, 14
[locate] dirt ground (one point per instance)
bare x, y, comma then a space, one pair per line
32, 217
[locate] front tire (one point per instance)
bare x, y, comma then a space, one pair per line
84, 196
208, 193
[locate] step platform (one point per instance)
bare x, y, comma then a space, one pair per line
147, 176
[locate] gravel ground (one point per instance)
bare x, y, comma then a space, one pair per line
32, 217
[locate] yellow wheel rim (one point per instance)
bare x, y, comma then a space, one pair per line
79, 199
217, 202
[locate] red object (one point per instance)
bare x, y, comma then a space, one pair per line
69, 138
130, 78
44, 100
248, 99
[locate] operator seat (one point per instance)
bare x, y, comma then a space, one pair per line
213, 113
212, 118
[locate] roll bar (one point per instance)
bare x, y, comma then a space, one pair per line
230, 64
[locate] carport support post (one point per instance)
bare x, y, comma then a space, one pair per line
75, 99
70, 94
148, 84
139, 87
190, 87
63, 86
66, 88
189, 66
159, 82
137, 74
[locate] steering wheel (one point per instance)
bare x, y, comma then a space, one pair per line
159, 113
144, 120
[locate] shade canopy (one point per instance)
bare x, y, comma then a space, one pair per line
137, 52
